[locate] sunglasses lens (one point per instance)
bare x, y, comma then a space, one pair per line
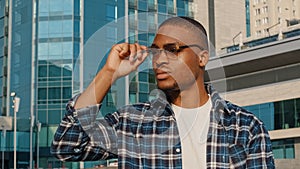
172, 48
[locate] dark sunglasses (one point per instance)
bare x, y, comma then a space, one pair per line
171, 49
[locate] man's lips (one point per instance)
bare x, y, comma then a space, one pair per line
161, 74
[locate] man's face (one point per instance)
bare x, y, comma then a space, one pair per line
176, 62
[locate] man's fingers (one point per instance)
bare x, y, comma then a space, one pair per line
124, 50
133, 52
141, 51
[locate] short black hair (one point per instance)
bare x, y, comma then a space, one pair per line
188, 23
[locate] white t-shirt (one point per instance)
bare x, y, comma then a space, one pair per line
193, 127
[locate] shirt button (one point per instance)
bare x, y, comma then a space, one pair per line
177, 150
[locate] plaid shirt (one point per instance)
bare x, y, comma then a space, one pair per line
146, 136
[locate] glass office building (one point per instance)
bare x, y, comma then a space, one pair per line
279, 115
45, 58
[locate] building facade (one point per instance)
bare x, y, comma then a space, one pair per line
225, 22
237, 22
47, 54
272, 16
264, 79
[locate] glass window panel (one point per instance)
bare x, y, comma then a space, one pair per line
143, 97
180, 12
76, 7
1, 69
54, 116
278, 115
51, 132
142, 37
55, 48
289, 152
278, 152
142, 5
111, 34
23, 140
1, 89
110, 12
54, 93
131, 12
76, 28
298, 112
161, 2
152, 78
67, 49
67, 28
67, 92
289, 113
143, 26
2, 27
180, 4
43, 29
55, 28
1, 48
267, 115
67, 70
170, 5
68, 7
283, 148
56, 6
44, 6
42, 94
144, 87
132, 98
43, 50
151, 3
43, 137
162, 8
132, 36
42, 116
110, 99
54, 71
143, 77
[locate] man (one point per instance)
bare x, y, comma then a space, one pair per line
188, 126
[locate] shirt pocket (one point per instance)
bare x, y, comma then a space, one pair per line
238, 155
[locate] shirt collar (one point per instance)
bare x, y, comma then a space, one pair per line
161, 106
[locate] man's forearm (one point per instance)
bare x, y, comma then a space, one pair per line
97, 89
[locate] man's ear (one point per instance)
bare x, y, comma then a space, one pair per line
203, 58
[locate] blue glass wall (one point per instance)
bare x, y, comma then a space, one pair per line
284, 149
3, 54
278, 115
57, 38
21, 55
57, 44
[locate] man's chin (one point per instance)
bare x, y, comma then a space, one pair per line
167, 87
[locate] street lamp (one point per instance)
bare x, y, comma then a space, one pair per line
39, 125
16, 101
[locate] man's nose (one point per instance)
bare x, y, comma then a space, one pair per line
161, 57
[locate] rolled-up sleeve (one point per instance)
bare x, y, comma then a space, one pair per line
82, 137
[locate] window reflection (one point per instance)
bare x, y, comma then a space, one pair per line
283, 149
278, 115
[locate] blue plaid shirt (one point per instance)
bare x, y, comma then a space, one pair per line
146, 136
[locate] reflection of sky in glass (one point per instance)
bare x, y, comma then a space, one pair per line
55, 7
55, 52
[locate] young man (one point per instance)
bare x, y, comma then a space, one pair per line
191, 126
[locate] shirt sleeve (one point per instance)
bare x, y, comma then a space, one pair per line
260, 149
82, 137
